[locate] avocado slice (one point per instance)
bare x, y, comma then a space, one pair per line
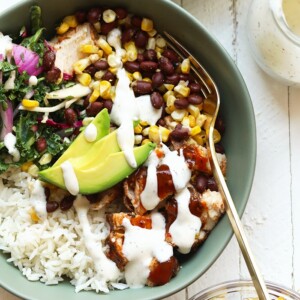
81, 146
99, 177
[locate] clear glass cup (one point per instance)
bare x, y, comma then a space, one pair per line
244, 290
273, 28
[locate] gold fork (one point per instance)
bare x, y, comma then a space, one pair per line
211, 107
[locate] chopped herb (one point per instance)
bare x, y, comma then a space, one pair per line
5, 66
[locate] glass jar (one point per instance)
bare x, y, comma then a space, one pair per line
274, 34
244, 290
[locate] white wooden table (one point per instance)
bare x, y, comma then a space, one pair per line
272, 217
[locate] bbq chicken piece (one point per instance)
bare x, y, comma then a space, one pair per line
208, 206
67, 46
159, 272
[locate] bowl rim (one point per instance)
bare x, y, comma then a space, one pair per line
249, 107
239, 283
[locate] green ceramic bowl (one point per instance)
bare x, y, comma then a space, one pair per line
239, 140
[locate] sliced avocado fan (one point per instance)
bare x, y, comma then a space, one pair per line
98, 177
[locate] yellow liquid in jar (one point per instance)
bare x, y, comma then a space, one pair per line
291, 11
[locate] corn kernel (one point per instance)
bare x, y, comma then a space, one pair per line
154, 134
89, 49
33, 170
109, 16
105, 87
147, 79
186, 121
199, 138
195, 130
138, 139
152, 32
63, 28
25, 166
192, 121
200, 119
151, 43
216, 136
170, 100
178, 114
131, 51
182, 90
138, 129
170, 109
33, 215
145, 141
113, 60
97, 26
207, 122
147, 24
185, 66
144, 123
145, 131
193, 110
209, 106
30, 104
103, 44
167, 94
159, 50
164, 133
81, 64
161, 42
169, 86
71, 21
84, 78
45, 159
99, 74
137, 75
95, 95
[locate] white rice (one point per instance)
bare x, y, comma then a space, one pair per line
52, 248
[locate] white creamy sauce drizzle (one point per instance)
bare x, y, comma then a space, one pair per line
146, 110
186, 225
90, 133
10, 143
70, 178
141, 246
38, 199
105, 268
114, 39
149, 197
32, 80
77, 91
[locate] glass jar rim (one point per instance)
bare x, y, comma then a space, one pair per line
236, 284
278, 14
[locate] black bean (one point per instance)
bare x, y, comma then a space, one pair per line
94, 15
186, 77
140, 57
195, 87
179, 133
80, 16
48, 60
121, 13
108, 105
195, 99
101, 65
161, 122
219, 148
41, 144
201, 183
51, 206
148, 66
70, 116
142, 87
181, 103
157, 100
107, 27
211, 184
173, 79
166, 66
127, 35
136, 21
67, 203
109, 76
150, 54
94, 108
47, 193
171, 55
53, 75
220, 125
157, 79
90, 70
141, 39
132, 66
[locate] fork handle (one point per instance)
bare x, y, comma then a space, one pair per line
237, 226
